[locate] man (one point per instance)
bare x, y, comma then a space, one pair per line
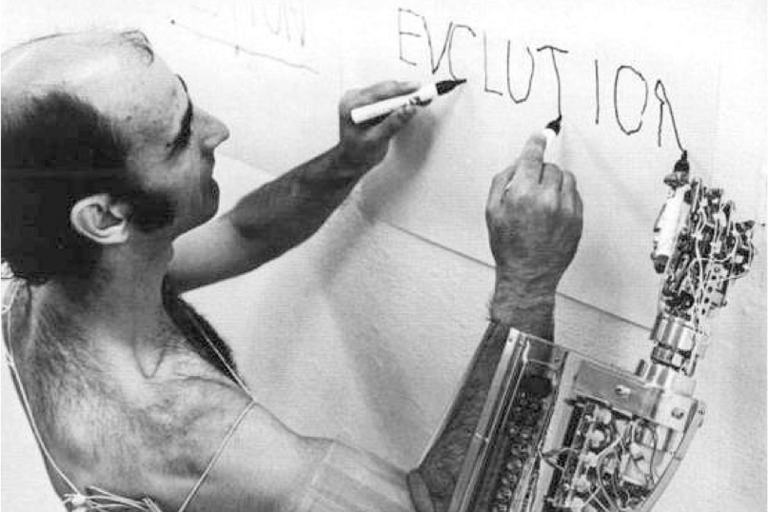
106, 161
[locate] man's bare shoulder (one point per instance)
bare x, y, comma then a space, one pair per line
138, 425
260, 463
202, 418
151, 436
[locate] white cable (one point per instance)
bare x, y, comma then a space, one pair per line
23, 393
216, 456
77, 498
221, 357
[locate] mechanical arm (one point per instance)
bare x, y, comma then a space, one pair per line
562, 432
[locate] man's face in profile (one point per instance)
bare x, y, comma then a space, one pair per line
172, 141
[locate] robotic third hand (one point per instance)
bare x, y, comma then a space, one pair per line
561, 432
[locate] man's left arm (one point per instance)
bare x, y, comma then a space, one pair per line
285, 212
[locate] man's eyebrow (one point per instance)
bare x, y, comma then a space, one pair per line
186, 123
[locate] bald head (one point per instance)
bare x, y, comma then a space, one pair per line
69, 58
99, 114
79, 64
65, 136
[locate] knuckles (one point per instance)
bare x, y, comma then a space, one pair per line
522, 200
499, 180
355, 97
389, 87
349, 100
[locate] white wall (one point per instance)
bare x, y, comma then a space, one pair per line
363, 332
388, 321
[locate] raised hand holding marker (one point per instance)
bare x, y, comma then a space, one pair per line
420, 97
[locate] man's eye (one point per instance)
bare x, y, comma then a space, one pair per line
186, 136
182, 141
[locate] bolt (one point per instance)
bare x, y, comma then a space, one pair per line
622, 390
678, 413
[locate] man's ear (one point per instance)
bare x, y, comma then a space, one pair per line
101, 219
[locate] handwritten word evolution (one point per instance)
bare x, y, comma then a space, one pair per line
628, 116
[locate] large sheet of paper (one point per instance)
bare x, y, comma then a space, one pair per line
270, 69
630, 101
634, 82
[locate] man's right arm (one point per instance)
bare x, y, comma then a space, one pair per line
288, 210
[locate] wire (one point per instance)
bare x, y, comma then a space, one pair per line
598, 467
653, 453
557, 452
11, 359
601, 487
93, 501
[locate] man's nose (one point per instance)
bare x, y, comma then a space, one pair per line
216, 132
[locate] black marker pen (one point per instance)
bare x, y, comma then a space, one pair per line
552, 130
419, 97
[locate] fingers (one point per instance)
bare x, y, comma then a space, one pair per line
551, 177
528, 176
499, 186
393, 123
366, 144
378, 92
570, 197
528, 173
569, 182
575, 205
532, 155
530, 164
579, 205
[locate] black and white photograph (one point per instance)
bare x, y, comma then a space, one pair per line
391, 256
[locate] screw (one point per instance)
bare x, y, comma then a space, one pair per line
622, 390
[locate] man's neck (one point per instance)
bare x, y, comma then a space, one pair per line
120, 308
